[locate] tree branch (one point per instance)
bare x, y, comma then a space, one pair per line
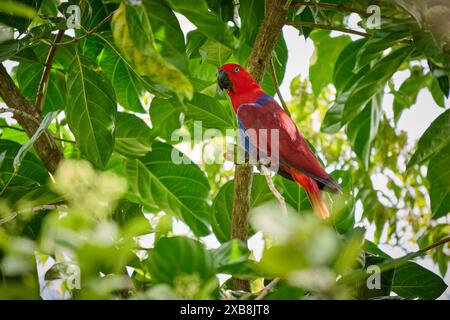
46, 72
265, 291
333, 6
269, 31
29, 119
326, 27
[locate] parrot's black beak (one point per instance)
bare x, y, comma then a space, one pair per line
223, 80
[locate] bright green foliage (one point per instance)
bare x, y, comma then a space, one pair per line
130, 211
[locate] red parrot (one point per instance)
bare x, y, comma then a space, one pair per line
256, 110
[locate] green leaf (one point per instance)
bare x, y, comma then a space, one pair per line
165, 116
18, 9
155, 180
207, 22
436, 92
31, 171
91, 110
332, 122
251, 13
345, 64
326, 53
133, 136
294, 194
126, 84
149, 62
16, 21
222, 207
230, 256
29, 76
372, 82
215, 53
141, 80
22, 197
435, 138
29, 144
211, 112
413, 281
363, 129
168, 35
280, 57
390, 34
139, 27
343, 205
179, 256
406, 95
440, 183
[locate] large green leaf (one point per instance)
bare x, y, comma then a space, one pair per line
179, 256
133, 136
230, 255
435, 138
372, 82
363, 129
222, 207
165, 116
251, 13
19, 13
413, 281
390, 34
294, 194
345, 64
29, 76
145, 59
155, 180
211, 112
31, 171
167, 33
326, 53
332, 122
126, 84
280, 57
91, 110
206, 21
439, 177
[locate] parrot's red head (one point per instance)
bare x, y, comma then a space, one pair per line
239, 84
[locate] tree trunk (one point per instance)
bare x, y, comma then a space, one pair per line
266, 39
45, 146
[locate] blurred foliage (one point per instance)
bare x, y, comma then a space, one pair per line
121, 220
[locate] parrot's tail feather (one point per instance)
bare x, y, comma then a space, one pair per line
313, 192
318, 204
330, 186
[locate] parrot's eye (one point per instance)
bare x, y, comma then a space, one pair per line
236, 69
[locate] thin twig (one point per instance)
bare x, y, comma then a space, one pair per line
266, 172
333, 6
46, 72
326, 27
19, 112
265, 291
277, 86
87, 34
13, 215
435, 245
